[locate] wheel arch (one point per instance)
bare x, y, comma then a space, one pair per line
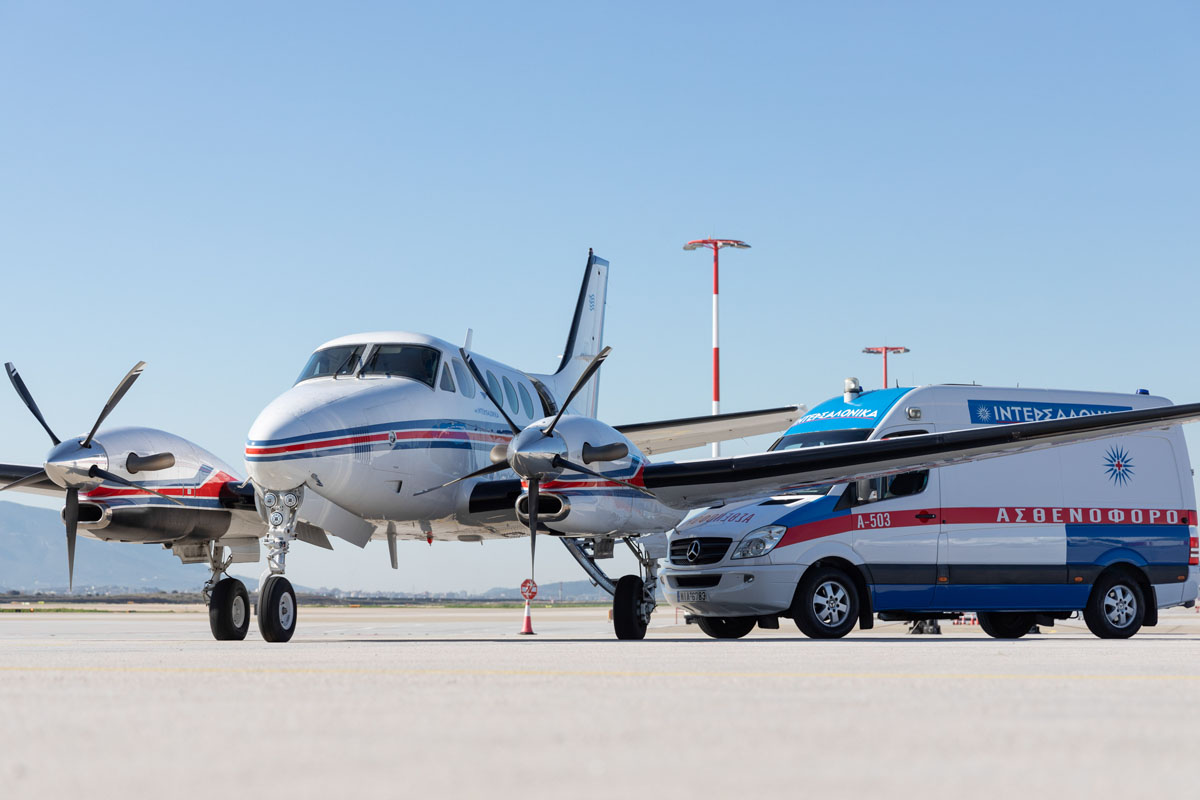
1138, 574
866, 612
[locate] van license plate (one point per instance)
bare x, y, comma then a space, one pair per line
693, 597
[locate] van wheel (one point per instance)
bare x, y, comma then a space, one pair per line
826, 604
1005, 624
726, 627
1116, 607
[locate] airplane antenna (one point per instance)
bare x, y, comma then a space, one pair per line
469, 337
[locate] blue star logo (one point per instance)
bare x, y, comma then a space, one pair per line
1118, 465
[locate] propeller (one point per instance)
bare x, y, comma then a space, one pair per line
82, 464
537, 454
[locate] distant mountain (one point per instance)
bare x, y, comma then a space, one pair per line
33, 557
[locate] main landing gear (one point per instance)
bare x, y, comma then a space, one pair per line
227, 599
633, 595
276, 599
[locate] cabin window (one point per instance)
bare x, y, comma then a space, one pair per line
526, 400
466, 384
511, 394
332, 361
447, 382
494, 386
413, 361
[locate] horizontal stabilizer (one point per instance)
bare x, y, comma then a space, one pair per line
681, 434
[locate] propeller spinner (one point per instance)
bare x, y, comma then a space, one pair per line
82, 464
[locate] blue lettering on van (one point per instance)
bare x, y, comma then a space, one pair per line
1006, 412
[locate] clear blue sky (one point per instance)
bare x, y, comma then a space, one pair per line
1011, 191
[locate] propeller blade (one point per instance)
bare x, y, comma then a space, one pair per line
36, 477
579, 384
533, 523
71, 518
483, 385
559, 461
96, 472
115, 398
152, 463
488, 470
23, 391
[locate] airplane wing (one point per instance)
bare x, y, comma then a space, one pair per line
10, 473
680, 434
693, 484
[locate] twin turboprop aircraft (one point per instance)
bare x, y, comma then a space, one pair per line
404, 436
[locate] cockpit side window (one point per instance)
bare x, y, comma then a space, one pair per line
466, 383
447, 383
332, 361
413, 361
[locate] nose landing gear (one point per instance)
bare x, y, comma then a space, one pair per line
276, 599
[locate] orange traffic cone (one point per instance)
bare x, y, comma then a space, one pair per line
527, 628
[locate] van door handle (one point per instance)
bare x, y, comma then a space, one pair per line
926, 515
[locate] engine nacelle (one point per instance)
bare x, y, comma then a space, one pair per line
578, 504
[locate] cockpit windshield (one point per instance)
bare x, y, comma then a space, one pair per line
332, 361
796, 441
404, 361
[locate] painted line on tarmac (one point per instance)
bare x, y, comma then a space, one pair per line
543, 673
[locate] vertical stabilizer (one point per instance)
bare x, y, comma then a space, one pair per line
584, 340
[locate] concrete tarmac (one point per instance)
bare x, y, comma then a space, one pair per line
452, 703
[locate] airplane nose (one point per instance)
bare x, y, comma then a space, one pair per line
272, 454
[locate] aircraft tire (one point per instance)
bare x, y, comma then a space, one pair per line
276, 609
726, 627
1005, 624
627, 601
833, 592
229, 610
1116, 607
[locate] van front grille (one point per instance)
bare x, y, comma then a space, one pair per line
710, 550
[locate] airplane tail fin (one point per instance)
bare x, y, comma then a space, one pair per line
584, 341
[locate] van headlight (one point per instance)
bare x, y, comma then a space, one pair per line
759, 542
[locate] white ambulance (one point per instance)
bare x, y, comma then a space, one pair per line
1105, 527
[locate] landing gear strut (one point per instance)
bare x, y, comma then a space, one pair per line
276, 598
227, 599
633, 596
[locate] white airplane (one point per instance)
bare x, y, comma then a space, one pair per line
405, 436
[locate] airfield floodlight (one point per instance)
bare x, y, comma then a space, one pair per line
716, 245
884, 352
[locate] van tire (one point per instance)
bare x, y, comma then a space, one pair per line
1005, 624
726, 627
819, 588
1116, 607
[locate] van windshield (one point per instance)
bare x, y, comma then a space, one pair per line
797, 441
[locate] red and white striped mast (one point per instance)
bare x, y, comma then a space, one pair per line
716, 245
